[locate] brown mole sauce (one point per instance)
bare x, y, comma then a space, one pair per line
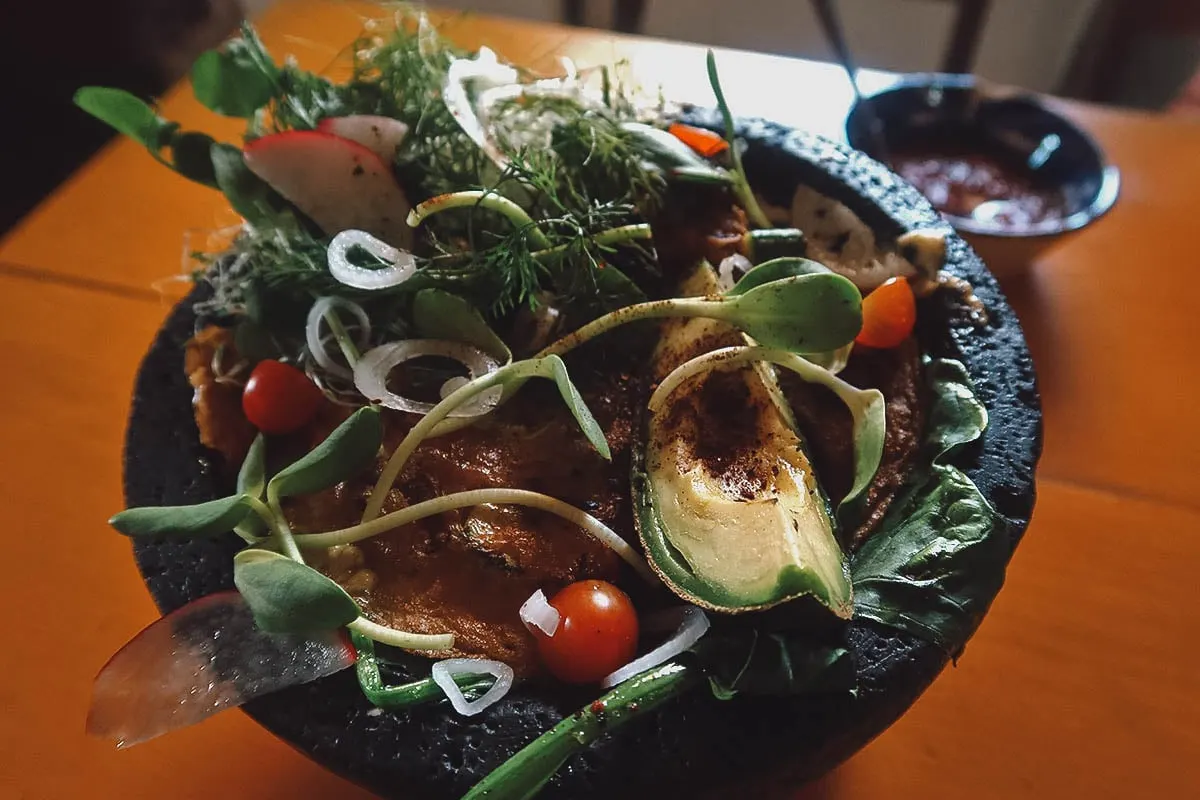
960, 182
828, 429
468, 571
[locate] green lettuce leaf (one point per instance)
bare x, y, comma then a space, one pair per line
745, 660
939, 558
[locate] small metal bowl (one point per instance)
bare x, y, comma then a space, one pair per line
927, 110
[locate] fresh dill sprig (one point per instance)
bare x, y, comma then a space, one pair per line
578, 175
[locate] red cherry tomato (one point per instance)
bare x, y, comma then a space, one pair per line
597, 633
889, 314
280, 399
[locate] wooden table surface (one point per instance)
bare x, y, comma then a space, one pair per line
1081, 683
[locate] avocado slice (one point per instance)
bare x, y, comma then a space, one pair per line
727, 503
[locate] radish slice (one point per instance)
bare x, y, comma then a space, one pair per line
371, 374
337, 183
536, 612
443, 676
381, 135
198, 660
691, 628
402, 264
312, 332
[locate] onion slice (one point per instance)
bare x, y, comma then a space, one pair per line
693, 625
536, 612
402, 264
371, 374
731, 270
484, 71
444, 672
312, 332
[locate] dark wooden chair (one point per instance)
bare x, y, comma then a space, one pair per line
1114, 32
959, 56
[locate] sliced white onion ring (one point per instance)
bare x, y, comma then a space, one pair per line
371, 374
691, 628
403, 265
316, 343
736, 263
536, 612
444, 672
485, 71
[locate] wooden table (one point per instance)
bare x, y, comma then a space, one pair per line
1081, 683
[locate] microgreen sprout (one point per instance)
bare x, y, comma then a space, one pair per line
741, 186
485, 200
803, 313
475, 497
549, 367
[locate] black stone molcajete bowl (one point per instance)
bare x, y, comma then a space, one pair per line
696, 744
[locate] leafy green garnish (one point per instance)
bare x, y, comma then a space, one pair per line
775, 270
741, 186
805, 313
128, 114
939, 557
811, 312
133, 117
746, 661
252, 477
955, 417
234, 81
935, 568
190, 155
204, 519
252, 482
249, 194
289, 597
351, 447
437, 314
552, 367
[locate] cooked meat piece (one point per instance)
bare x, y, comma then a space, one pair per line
826, 425
218, 405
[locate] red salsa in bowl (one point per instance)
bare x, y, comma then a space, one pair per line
981, 187
1007, 171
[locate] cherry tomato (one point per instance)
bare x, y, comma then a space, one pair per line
889, 313
597, 633
280, 399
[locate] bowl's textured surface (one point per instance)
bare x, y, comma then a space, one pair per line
696, 744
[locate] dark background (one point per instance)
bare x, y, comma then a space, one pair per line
47, 50
1134, 52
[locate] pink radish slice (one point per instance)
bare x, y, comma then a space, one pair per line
198, 660
339, 184
381, 135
